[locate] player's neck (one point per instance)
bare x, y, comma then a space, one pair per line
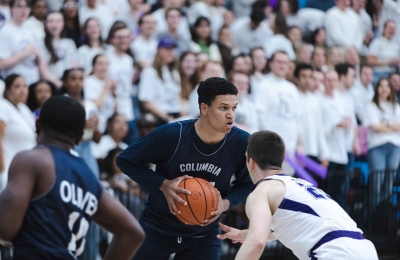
259, 174
58, 142
206, 133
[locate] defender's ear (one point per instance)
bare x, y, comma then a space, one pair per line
204, 109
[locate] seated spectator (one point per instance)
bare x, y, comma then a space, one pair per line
18, 52
395, 80
343, 27
247, 117
225, 45
318, 59
205, 8
92, 9
303, 54
334, 57
384, 52
92, 45
189, 78
131, 17
239, 63
5, 12
58, 52
39, 93
352, 56
229, 18
117, 129
101, 90
382, 118
201, 39
159, 90
260, 69
295, 36
144, 46
319, 78
71, 21
35, 22
278, 42
17, 124
318, 37
173, 18
162, 27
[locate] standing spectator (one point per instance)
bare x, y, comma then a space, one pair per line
242, 8
395, 80
295, 36
229, 18
17, 124
318, 78
144, 47
318, 37
334, 57
225, 45
189, 78
278, 103
303, 53
205, 8
318, 59
71, 21
121, 70
92, 9
313, 137
58, 52
92, 45
35, 23
260, 69
160, 88
5, 13
352, 56
173, 18
100, 89
117, 7
362, 91
365, 24
383, 122
384, 52
18, 52
202, 41
39, 93
343, 26
390, 11
239, 63
132, 16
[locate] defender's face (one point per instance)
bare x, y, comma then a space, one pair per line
221, 114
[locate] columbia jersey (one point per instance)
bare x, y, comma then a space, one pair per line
305, 215
56, 223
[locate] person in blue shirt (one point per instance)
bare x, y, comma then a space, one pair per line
211, 148
52, 195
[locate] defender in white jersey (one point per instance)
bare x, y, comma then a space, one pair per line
305, 219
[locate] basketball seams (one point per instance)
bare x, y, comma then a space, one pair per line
205, 199
187, 200
187, 221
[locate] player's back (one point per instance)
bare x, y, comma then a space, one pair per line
307, 218
56, 223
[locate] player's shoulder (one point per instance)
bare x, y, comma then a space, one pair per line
239, 135
33, 158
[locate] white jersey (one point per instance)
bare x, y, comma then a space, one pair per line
307, 218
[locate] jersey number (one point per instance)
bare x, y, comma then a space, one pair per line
79, 235
313, 191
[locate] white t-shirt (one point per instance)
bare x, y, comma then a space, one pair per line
199, 9
247, 114
2, 88
343, 28
390, 11
276, 43
106, 144
374, 116
101, 13
194, 110
67, 53
86, 55
384, 50
366, 26
36, 27
162, 93
280, 112
5, 15
116, 7
242, 8
93, 87
162, 26
131, 22
91, 111
312, 134
19, 133
245, 38
347, 105
361, 97
307, 19
13, 40
143, 50
121, 70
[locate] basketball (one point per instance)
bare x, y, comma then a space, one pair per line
202, 201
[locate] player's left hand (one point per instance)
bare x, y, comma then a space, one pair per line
223, 205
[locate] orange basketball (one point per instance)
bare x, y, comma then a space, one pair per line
202, 201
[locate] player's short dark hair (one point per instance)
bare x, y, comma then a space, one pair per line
212, 87
63, 115
343, 68
267, 149
302, 66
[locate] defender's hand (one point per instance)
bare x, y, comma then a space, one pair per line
233, 234
223, 205
170, 189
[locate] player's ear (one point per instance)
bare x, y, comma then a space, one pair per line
203, 109
252, 164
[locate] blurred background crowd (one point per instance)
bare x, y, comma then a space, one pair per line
324, 74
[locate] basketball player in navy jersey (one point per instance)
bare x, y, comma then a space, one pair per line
52, 195
210, 148
302, 217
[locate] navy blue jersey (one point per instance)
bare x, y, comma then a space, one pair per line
176, 149
56, 223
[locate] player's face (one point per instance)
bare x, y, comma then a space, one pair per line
221, 114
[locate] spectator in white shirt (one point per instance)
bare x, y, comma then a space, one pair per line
343, 26
318, 37
92, 45
334, 57
390, 10
35, 23
132, 16
92, 9
295, 36
2, 87
71, 21
144, 46
362, 91
205, 8
318, 59
17, 124
351, 56
39, 93
365, 24
5, 13
384, 52
242, 8
318, 79
189, 78
260, 69
58, 52
312, 134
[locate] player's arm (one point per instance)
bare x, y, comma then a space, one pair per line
15, 198
236, 235
260, 216
128, 234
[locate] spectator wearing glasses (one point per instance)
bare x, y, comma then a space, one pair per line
35, 23
71, 21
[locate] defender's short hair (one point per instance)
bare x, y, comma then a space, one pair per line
63, 115
267, 149
212, 87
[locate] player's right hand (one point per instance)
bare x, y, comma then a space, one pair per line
233, 234
170, 189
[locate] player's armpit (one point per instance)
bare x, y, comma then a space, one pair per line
128, 234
